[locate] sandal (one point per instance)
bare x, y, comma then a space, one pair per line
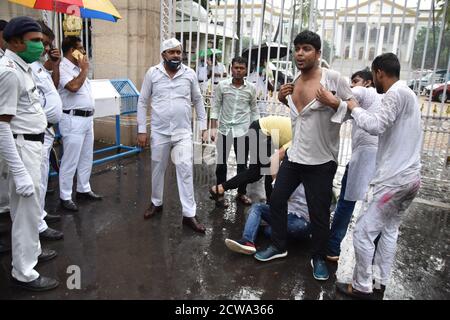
219, 198
244, 199
348, 290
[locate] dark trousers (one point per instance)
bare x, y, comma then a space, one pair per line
260, 152
240, 145
318, 183
341, 220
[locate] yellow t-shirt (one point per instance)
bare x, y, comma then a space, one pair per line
283, 137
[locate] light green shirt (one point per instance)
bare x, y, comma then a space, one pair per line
234, 108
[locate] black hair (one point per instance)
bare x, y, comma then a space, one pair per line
308, 37
69, 43
3, 24
387, 62
46, 30
365, 74
239, 60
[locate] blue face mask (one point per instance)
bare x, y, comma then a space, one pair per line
173, 64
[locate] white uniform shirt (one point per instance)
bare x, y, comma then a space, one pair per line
83, 98
218, 68
49, 96
171, 101
202, 72
316, 128
297, 203
258, 81
19, 96
398, 125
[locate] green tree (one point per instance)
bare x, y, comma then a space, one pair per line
430, 54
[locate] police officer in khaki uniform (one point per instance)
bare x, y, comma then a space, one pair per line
22, 126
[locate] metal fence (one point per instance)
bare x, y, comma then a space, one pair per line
353, 32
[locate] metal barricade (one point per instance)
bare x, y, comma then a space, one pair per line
128, 105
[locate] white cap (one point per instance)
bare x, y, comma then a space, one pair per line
170, 44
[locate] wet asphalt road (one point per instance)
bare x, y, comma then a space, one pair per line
123, 256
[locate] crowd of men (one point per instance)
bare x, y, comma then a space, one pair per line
297, 155
39, 89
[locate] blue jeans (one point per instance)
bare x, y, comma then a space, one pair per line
297, 227
342, 217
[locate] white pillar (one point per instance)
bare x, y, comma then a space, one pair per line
410, 43
366, 45
352, 42
338, 40
396, 39
380, 41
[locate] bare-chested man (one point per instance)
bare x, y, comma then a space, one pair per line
317, 100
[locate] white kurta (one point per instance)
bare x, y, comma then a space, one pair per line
171, 124
364, 148
396, 182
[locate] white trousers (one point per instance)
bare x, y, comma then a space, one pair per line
382, 214
48, 144
78, 143
25, 214
180, 150
4, 188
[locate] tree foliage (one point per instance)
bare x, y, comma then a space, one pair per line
430, 53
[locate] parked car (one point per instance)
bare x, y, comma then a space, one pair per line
438, 93
421, 84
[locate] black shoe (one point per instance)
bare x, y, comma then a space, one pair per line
4, 248
40, 284
88, 196
51, 234
69, 205
46, 255
52, 218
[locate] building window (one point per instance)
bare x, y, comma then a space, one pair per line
373, 34
347, 52
361, 32
372, 53
348, 33
249, 24
361, 53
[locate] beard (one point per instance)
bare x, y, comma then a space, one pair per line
379, 88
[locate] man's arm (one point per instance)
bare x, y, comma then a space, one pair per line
215, 110
9, 94
199, 105
377, 122
53, 65
285, 90
275, 160
253, 107
146, 93
75, 84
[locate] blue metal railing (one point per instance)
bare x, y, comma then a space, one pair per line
128, 105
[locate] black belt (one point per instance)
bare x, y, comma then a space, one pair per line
32, 137
80, 113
